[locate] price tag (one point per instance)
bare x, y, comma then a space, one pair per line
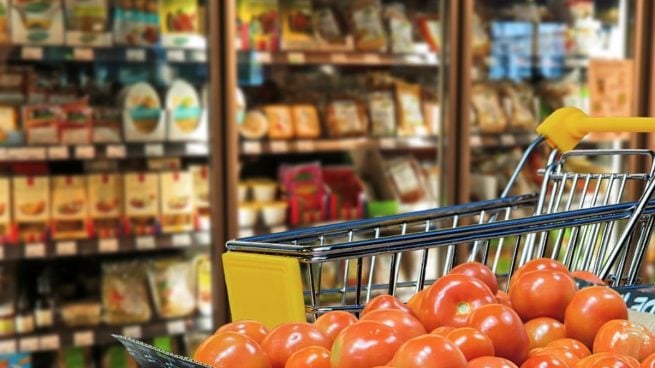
476, 141
252, 147
7, 346
507, 140
263, 57
145, 242
372, 59
197, 149
28, 344
66, 248
413, 59
199, 56
83, 54
135, 55
176, 327
35, 250
27, 154
296, 58
132, 331
175, 55
387, 143
305, 146
4, 154
203, 238
339, 58
181, 240
32, 53
85, 152
109, 245
279, 146
154, 150
83, 338
116, 151
58, 153
49, 342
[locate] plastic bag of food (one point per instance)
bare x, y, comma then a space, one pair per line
346, 117
172, 287
367, 25
124, 293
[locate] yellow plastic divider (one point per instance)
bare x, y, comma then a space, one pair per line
567, 126
264, 288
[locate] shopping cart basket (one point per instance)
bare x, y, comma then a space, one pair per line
584, 218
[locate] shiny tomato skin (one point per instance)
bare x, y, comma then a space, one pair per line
472, 342
588, 277
544, 361
575, 346
607, 360
564, 354
505, 329
429, 351
405, 325
544, 330
443, 330
253, 329
384, 302
309, 357
288, 338
491, 362
503, 298
543, 293
364, 344
414, 303
451, 299
538, 264
231, 349
591, 308
480, 272
332, 323
625, 338
649, 362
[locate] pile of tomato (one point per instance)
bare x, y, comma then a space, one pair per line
462, 320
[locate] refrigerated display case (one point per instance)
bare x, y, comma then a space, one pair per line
107, 165
523, 59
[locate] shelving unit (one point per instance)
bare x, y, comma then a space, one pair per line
426, 59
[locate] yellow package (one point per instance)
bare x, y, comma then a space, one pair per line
105, 204
410, 114
141, 202
178, 16
176, 201
280, 125
69, 210
31, 207
305, 121
200, 174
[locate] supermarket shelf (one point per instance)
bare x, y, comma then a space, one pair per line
103, 151
502, 140
108, 246
113, 54
100, 335
339, 58
336, 145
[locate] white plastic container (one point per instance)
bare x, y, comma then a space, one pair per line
248, 214
275, 213
264, 191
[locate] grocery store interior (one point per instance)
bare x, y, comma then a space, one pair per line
138, 137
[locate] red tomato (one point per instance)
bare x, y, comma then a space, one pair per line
544, 361
451, 299
331, 323
253, 329
589, 309
443, 330
625, 338
384, 302
503, 298
538, 264
544, 293
231, 349
480, 272
472, 342
575, 346
567, 356
504, 328
649, 362
414, 303
491, 362
403, 323
588, 277
607, 360
429, 351
288, 338
544, 330
309, 357
364, 344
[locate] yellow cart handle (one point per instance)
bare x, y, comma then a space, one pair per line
566, 127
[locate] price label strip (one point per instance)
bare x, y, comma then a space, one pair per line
28, 344
109, 245
58, 153
49, 343
116, 151
132, 331
279, 146
252, 147
66, 248
32, 53
305, 146
8, 346
35, 250
175, 56
138, 55
145, 242
176, 327
83, 338
85, 152
154, 150
181, 240
83, 54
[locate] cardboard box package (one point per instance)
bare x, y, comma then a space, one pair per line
69, 211
141, 202
105, 204
37, 22
200, 175
176, 201
31, 195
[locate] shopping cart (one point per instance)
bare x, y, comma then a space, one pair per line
586, 219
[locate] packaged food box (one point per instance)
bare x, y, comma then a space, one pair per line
125, 293
38, 22
10, 132
41, 123
201, 203
331, 26
180, 24
258, 24
75, 127
176, 201
31, 207
297, 25
107, 125
105, 204
87, 23
306, 123
346, 117
366, 19
143, 117
186, 117
280, 125
69, 210
141, 202
16, 360
5, 36
136, 22
6, 232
